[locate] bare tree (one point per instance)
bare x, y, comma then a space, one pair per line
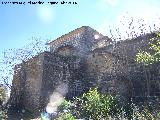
130, 27
11, 57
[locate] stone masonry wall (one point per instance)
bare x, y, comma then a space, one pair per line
73, 66
81, 39
26, 84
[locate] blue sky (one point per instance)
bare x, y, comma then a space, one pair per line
19, 23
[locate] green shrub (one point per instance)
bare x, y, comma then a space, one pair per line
66, 116
65, 106
65, 111
92, 105
96, 106
150, 57
3, 115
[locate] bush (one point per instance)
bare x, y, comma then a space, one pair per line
66, 116
92, 105
96, 106
150, 57
3, 115
65, 111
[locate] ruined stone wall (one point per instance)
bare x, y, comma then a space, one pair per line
17, 88
73, 40
108, 72
140, 76
34, 71
67, 51
73, 66
26, 84
128, 49
78, 83
82, 40
40, 77
115, 70
59, 70
89, 36
53, 68
34, 81
145, 80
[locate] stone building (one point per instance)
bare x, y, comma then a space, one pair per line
82, 59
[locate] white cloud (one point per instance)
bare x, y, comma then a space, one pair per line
103, 4
111, 2
46, 14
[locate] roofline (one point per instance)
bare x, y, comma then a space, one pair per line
62, 38
81, 29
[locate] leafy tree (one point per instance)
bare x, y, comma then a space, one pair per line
154, 55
